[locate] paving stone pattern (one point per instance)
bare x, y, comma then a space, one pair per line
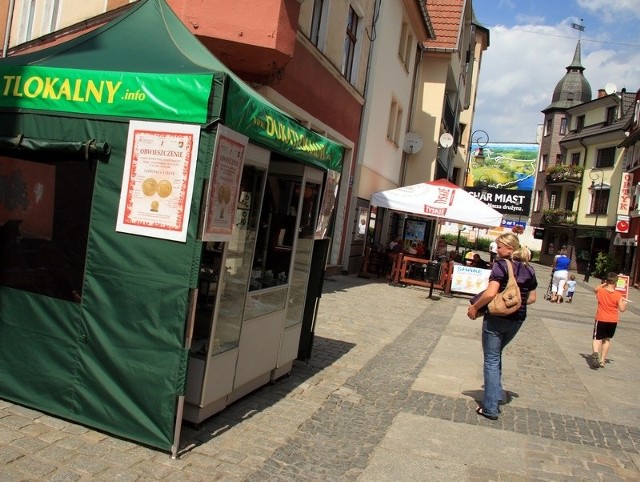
341, 415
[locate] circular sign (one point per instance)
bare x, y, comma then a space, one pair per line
622, 226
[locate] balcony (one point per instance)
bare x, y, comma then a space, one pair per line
254, 39
559, 217
564, 174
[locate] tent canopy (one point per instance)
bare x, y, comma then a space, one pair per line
441, 200
115, 358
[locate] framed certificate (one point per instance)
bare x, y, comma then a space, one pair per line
157, 183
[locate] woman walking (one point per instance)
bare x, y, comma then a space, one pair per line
560, 275
498, 331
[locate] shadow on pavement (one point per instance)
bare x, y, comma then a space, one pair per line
326, 352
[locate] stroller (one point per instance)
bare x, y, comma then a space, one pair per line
549, 293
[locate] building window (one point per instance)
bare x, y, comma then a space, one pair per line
558, 158
606, 157
317, 22
406, 45
635, 196
554, 199
544, 163
580, 123
563, 126
599, 201
547, 127
395, 122
538, 201
46, 11
350, 42
26, 22
568, 204
611, 115
50, 19
575, 159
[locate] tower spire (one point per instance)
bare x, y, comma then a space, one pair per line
576, 63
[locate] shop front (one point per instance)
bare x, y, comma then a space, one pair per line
158, 232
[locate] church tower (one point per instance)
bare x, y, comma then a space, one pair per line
573, 89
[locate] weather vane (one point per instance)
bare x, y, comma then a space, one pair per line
579, 27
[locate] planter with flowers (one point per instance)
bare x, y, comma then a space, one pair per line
563, 173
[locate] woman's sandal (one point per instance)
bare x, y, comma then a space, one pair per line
480, 412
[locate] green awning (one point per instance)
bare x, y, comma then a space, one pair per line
106, 93
248, 113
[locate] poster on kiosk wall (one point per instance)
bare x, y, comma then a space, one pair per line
157, 183
224, 185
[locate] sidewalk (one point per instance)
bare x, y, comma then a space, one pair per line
390, 394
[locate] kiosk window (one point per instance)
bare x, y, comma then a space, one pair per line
44, 223
277, 233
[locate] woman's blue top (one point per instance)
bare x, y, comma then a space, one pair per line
562, 262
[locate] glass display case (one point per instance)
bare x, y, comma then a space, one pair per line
224, 273
271, 268
304, 251
277, 233
237, 265
252, 288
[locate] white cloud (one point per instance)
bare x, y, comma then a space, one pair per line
529, 19
611, 11
602, 68
522, 66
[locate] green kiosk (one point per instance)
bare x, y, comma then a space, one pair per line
159, 219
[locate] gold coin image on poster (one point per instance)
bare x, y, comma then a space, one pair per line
164, 188
154, 206
149, 186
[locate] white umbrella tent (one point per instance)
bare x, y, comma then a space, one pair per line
440, 200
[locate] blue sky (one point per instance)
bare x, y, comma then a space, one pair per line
532, 43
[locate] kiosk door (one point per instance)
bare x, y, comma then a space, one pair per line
310, 190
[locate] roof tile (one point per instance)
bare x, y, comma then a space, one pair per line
445, 17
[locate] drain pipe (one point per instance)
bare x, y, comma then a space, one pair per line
7, 33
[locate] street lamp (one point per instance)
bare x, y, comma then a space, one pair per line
594, 176
481, 139
460, 229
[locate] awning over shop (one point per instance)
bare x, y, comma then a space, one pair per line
252, 116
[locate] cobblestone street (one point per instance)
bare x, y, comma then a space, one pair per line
389, 394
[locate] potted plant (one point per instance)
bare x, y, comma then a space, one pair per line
561, 172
